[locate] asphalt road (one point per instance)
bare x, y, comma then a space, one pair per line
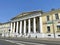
13, 42
22, 41
3, 42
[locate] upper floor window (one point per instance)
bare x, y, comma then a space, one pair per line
48, 18
56, 16
48, 29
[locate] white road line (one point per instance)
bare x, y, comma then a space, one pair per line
23, 43
10, 41
14, 42
30, 43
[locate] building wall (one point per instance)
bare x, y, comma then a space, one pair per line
52, 23
4, 29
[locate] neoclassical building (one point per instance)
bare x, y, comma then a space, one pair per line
36, 24
28, 24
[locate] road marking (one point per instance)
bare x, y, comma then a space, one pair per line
23, 43
31, 43
14, 42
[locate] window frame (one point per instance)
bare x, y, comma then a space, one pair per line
58, 27
48, 18
48, 29
56, 16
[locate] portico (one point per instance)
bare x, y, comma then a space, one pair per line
27, 25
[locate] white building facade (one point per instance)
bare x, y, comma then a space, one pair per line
27, 25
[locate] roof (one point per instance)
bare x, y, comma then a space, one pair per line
51, 12
4, 23
26, 13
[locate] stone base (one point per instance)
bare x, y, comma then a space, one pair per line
48, 35
40, 35
57, 35
33, 35
5, 35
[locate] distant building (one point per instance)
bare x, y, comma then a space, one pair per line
0, 29
4, 29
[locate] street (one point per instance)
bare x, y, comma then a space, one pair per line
3, 42
13, 42
21, 41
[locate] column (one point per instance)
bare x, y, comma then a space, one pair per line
34, 25
17, 28
14, 28
11, 31
24, 27
40, 23
11, 28
29, 24
20, 27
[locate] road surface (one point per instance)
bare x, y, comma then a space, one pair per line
26, 42
13, 42
3, 42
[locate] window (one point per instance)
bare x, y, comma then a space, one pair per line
56, 16
48, 29
47, 18
58, 27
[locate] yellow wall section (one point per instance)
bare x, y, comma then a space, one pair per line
52, 17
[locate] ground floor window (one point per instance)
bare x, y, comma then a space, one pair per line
58, 27
48, 29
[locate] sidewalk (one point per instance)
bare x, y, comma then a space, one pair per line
36, 39
45, 39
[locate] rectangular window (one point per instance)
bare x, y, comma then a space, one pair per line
56, 16
58, 27
48, 29
47, 18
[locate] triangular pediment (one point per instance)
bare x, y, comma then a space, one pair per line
26, 13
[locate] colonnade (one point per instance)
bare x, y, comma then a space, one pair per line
20, 27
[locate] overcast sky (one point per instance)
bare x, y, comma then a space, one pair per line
11, 8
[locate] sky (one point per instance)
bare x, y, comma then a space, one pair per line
11, 8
